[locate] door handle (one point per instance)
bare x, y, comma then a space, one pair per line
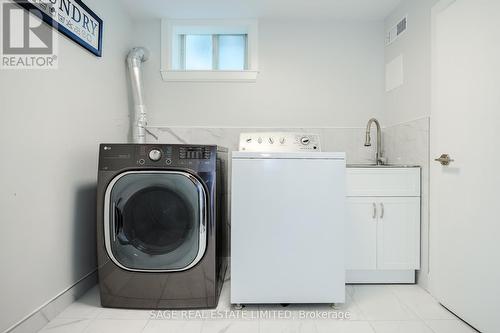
113, 221
444, 159
382, 210
374, 211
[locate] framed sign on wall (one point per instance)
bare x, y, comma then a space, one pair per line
72, 18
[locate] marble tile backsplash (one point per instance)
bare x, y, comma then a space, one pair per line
349, 140
407, 143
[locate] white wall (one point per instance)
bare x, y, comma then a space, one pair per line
312, 74
407, 105
52, 122
412, 100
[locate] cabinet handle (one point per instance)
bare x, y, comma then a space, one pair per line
382, 210
374, 211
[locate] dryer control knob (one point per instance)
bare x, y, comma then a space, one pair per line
155, 155
305, 140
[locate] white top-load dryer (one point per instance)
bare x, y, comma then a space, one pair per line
288, 216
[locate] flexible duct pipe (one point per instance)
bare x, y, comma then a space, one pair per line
135, 58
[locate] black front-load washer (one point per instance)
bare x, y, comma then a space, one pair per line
161, 225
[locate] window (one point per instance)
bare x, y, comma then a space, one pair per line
212, 52
196, 52
209, 50
232, 52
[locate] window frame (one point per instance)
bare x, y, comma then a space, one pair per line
172, 29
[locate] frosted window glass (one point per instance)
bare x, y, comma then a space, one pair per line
232, 50
198, 52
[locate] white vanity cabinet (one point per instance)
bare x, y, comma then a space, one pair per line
383, 231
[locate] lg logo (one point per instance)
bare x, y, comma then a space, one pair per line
24, 31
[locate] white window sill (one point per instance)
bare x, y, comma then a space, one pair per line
209, 76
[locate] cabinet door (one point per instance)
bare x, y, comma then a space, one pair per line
361, 234
398, 233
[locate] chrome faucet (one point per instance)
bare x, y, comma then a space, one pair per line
380, 160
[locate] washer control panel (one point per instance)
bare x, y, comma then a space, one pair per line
280, 142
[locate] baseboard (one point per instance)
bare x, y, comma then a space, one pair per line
380, 277
36, 320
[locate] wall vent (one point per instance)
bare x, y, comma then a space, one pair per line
396, 31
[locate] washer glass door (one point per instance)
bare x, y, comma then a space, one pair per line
155, 220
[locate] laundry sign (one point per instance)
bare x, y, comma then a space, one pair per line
72, 18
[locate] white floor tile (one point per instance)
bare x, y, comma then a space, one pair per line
350, 307
287, 326
380, 303
346, 311
173, 326
76, 311
400, 327
228, 326
373, 309
449, 326
125, 314
66, 326
113, 325
87, 307
325, 326
422, 303
271, 312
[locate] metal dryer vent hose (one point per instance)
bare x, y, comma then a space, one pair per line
135, 58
